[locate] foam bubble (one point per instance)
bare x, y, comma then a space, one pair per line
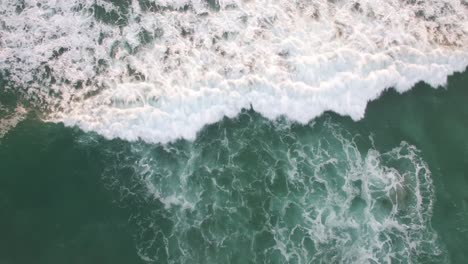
161, 70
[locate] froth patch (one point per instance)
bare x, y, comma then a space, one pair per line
161, 70
10, 121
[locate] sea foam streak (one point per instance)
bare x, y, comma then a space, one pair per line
161, 70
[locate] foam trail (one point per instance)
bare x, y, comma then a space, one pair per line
161, 70
280, 195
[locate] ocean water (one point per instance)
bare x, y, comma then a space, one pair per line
233, 131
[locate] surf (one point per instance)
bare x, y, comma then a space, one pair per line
159, 71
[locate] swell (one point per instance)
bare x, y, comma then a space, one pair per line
161, 70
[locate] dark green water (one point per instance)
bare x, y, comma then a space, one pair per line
389, 188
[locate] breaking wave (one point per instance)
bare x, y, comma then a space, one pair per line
160, 70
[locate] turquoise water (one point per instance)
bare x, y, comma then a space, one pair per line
388, 188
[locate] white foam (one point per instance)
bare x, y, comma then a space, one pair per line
291, 58
10, 121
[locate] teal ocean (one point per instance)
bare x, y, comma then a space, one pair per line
390, 187
233, 131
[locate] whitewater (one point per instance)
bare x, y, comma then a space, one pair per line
161, 70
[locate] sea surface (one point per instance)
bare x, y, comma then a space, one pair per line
233, 132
